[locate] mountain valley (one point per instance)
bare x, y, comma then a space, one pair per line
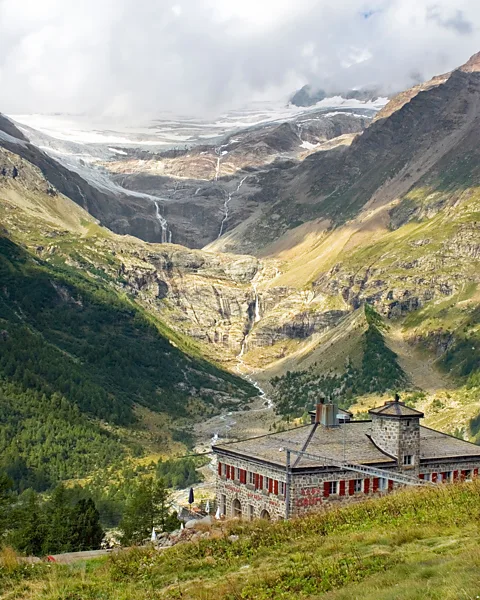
284, 236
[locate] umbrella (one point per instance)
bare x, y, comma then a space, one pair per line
191, 497
218, 514
207, 507
154, 535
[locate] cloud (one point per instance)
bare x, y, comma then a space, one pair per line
134, 58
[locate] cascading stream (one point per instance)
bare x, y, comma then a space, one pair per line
226, 206
166, 234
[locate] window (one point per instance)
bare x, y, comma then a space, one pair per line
447, 476
333, 487
237, 473
251, 478
224, 469
357, 485
382, 484
282, 488
467, 475
407, 423
407, 459
251, 512
266, 483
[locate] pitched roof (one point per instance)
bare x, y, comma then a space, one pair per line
350, 441
396, 409
328, 442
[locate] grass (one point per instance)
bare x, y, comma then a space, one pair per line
415, 544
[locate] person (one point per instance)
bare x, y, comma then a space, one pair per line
14, 172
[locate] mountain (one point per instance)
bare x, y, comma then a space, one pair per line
82, 361
388, 219
309, 96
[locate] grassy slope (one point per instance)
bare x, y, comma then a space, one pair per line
69, 332
416, 544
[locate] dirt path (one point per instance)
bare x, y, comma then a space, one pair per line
419, 367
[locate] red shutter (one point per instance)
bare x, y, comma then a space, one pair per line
351, 487
390, 485
342, 488
421, 476
255, 479
475, 472
275, 487
260, 482
219, 468
375, 484
464, 475
366, 486
434, 478
227, 474
444, 478
326, 489
270, 485
455, 476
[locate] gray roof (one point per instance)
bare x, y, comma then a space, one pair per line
330, 442
396, 409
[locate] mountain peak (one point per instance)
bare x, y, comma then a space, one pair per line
472, 65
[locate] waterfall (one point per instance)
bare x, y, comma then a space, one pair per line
166, 234
226, 207
240, 362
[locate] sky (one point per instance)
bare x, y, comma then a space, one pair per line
128, 58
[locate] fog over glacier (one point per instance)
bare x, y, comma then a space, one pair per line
198, 57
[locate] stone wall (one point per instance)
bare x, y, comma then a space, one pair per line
248, 495
399, 438
310, 492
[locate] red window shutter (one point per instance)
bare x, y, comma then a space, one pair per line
260, 483
351, 487
270, 485
366, 486
390, 485
342, 488
275, 487
464, 475
244, 476
375, 484
227, 471
255, 480
421, 476
326, 489
444, 478
434, 477
475, 472
219, 468
455, 476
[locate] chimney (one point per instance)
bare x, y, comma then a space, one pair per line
326, 415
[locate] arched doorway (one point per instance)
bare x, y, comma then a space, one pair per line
265, 515
237, 509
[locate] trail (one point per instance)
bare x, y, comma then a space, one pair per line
226, 206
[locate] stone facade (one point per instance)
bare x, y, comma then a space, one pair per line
253, 480
399, 438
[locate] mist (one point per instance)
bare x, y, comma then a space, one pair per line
126, 58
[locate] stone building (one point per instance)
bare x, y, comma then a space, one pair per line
337, 460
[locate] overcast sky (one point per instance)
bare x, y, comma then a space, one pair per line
140, 57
